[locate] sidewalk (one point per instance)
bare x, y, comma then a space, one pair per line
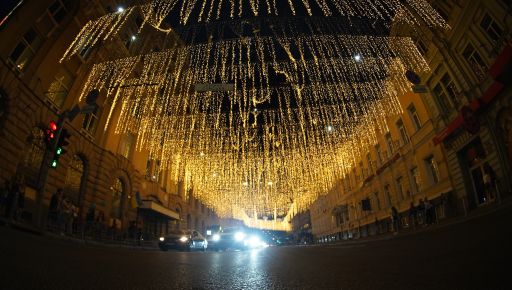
474, 214
86, 240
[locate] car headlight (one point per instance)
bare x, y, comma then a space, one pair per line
184, 239
239, 236
162, 239
253, 242
216, 237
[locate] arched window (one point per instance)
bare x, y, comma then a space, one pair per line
117, 194
35, 152
74, 177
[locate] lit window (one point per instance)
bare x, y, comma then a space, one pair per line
126, 145
90, 122
35, 153
59, 88
25, 50
432, 169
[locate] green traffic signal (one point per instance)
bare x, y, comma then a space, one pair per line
53, 164
58, 151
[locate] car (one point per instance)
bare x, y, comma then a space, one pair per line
183, 240
228, 238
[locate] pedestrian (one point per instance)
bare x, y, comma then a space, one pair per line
420, 212
99, 224
395, 219
54, 208
66, 216
21, 199
428, 212
489, 182
90, 217
412, 215
12, 199
4, 192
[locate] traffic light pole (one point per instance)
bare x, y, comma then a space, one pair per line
45, 170
49, 155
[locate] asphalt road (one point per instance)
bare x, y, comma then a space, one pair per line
470, 255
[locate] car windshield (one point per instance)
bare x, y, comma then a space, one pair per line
179, 232
231, 230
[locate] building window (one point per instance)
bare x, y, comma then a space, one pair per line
126, 145
34, 155
432, 169
400, 188
491, 28
389, 142
148, 168
414, 116
117, 194
59, 88
403, 132
25, 50
379, 153
370, 162
475, 61
416, 180
387, 195
91, 121
446, 93
74, 176
377, 200
422, 47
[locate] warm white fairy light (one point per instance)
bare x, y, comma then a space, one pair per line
244, 157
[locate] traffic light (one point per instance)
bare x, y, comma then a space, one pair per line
60, 147
50, 134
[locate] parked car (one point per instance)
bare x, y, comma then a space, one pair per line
183, 240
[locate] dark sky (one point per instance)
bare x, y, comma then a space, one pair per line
6, 6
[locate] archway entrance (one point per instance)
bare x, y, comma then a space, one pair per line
116, 208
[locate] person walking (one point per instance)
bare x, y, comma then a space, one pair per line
395, 219
54, 209
489, 182
412, 215
89, 218
21, 199
420, 212
428, 212
4, 192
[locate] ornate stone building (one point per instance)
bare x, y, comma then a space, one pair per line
449, 135
100, 168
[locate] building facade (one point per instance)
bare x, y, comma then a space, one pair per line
452, 135
100, 169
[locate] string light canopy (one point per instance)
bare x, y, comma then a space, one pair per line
295, 110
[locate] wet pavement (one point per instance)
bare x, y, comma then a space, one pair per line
476, 254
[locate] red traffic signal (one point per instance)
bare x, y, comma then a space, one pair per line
50, 133
52, 126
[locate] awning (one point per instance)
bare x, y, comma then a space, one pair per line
153, 206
